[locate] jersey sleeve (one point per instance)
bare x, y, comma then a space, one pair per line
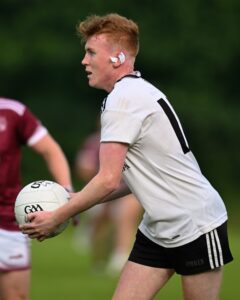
30, 128
119, 126
125, 110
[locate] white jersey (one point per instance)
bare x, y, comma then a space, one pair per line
179, 202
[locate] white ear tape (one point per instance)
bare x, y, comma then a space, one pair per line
121, 57
113, 59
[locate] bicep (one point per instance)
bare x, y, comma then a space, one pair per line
44, 145
111, 157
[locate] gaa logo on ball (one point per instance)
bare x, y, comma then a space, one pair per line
41, 195
32, 208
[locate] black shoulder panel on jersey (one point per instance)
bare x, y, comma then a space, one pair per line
175, 125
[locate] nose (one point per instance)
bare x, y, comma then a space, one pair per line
84, 60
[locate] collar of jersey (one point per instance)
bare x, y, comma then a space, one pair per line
134, 74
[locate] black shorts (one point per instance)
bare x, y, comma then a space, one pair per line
208, 252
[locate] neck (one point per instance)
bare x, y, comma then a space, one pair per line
119, 72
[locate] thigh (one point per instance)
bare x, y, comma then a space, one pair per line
14, 265
140, 282
126, 208
14, 285
202, 286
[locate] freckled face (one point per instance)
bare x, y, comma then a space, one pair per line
97, 62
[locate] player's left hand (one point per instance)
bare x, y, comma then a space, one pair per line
39, 225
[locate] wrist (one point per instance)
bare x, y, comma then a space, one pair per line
69, 188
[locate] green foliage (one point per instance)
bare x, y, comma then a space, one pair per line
189, 49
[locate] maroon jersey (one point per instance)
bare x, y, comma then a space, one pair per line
18, 126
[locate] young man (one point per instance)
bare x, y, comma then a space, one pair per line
184, 226
18, 126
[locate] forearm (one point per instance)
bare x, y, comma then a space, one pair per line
122, 191
58, 167
95, 192
105, 186
55, 160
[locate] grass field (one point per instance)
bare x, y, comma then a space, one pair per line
60, 272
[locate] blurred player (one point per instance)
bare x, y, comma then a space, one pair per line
19, 127
184, 227
122, 214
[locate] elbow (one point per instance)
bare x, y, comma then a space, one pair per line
111, 183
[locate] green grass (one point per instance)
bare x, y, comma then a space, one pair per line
60, 272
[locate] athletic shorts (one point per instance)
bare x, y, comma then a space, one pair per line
208, 252
14, 251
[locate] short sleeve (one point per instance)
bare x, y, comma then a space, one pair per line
30, 128
119, 126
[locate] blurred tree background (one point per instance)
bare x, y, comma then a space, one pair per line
190, 49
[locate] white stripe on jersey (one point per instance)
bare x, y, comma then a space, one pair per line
214, 249
14, 105
39, 133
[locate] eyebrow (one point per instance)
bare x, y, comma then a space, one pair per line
89, 49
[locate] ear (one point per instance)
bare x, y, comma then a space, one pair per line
113, 59
120, 58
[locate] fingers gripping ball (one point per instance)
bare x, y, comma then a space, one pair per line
42, 195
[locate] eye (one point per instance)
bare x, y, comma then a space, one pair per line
90, 52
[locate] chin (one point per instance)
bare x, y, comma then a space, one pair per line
91, 84
95, 85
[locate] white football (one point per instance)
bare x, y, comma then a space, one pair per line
42, 195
